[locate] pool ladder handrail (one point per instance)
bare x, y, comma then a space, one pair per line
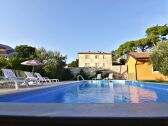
80, 76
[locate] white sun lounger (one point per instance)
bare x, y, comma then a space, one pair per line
30, 75
46, 78
9, 75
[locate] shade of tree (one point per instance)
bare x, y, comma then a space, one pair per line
159, 57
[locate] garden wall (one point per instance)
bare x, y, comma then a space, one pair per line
116, 70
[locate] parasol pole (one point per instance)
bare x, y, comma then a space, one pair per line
33, 69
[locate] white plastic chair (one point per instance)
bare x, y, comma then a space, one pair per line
110, 77
98, 77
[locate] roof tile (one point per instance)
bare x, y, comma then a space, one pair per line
140, 55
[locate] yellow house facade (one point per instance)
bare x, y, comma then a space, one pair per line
95, 59
139, 68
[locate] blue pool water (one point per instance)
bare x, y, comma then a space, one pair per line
94, 92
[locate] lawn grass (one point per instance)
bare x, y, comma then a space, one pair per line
157, 81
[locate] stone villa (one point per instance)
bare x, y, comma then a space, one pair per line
95, 59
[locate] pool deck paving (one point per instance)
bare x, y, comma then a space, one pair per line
123, 110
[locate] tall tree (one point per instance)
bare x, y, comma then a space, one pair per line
127, 47
73, 63
15, 63
157, 30
42, 54
154, 34
54, 68
54, 63
157, 33
115, 55
25, 51
143, 44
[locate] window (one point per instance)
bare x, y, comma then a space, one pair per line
96, 64
96, 56
87, 64
86, 56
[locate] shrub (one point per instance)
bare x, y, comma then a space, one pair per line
67, 75
98, 72
3, 63
83, 74
73, 63
116, 63
122, 61
54, 68
159, 58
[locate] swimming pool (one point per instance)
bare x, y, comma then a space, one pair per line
94, 91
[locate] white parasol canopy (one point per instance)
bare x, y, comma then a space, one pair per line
32, 63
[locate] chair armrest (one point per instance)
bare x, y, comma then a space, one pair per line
31, 79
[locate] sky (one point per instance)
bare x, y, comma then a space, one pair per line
72, 26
